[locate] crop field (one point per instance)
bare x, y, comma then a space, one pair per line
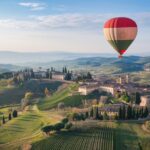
94, 139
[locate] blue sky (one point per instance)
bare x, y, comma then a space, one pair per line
67, 25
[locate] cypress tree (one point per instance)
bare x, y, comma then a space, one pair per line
137, 114
137, 98
123, 112
145, 113
91, 112
120, 113
3, 121
133, 114
129, 112
96, 113
9, 116
15, 113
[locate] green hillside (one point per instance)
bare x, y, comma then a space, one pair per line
69, 96
13, 95
104, 65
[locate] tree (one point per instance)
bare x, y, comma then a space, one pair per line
65, 120
91, 112
47, 92
120, 113
15, 113
146, 112
123, 112
48, 129
65, 70
89, 76
137, 98
58, 126
96, 113
50, 75
133, 113
105, 116
125, 97
9, 116
129, 112
87, 114
3, 120
137, 114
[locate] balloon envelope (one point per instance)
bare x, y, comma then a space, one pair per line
120, 32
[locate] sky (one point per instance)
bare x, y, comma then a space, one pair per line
69, 25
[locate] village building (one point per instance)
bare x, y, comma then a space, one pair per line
107, 88
145, 101
87, 89
58, 75
40, 74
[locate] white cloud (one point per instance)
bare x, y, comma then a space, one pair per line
33, 6
69, 21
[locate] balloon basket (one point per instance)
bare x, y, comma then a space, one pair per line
120, 56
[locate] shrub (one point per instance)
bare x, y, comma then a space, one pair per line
59, 126
47, 129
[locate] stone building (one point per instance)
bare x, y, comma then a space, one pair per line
145, 101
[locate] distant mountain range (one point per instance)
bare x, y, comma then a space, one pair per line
7, 57
101, 63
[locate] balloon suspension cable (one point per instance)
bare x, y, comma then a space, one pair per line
120, 56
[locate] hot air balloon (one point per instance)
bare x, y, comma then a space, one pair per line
120, 32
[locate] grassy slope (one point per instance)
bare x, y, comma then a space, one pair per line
14, 95
67, 96
25, 128
57, 97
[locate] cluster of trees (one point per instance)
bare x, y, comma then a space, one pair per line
14, 114
77, 116
87, 76
125, 113
130, 112
93, 113
64, 124
132, 98
67, 73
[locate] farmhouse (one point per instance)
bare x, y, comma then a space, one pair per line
145, 100
40, 74
107, 88
86, 89
58, 75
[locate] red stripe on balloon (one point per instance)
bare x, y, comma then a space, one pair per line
120, 22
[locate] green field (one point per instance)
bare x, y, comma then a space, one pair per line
15, 94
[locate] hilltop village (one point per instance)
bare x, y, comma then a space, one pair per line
111, 93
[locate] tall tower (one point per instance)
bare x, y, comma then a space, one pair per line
127, 78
